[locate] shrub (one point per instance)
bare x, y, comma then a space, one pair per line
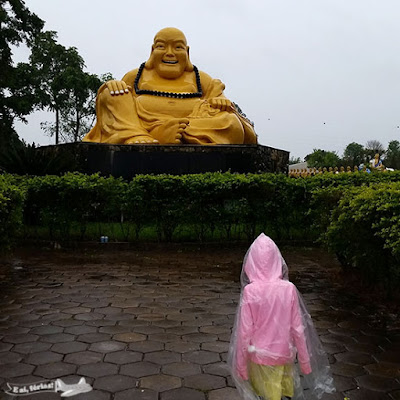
365, 232
11, 207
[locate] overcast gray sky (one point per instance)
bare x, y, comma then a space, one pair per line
309, 73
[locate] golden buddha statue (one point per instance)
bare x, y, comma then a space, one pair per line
168, 101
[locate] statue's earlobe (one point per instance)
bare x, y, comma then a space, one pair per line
150, 62
189, 65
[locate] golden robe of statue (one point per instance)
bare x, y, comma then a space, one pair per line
168, 101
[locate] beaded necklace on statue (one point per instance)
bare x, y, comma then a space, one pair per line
199, 92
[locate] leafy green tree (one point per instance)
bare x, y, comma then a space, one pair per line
18, 26
64, 87
321, 158
78, 112
53, 65
354, 154
392, 158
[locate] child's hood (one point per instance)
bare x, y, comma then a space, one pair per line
264, 260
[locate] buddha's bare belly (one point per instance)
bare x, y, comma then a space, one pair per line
167, 106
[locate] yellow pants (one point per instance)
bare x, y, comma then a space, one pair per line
272, 381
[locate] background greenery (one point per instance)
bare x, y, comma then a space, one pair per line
356, 215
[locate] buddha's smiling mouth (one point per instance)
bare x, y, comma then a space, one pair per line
169, 62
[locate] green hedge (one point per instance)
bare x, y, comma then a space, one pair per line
356, 214
364, 232
11, 210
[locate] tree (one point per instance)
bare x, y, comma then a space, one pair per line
392, 159
294, 160
372, 147
354, 154
63, 87
53, 65
321, 158
18, 26
78, 112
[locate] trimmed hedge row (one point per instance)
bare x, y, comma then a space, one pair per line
364, 232
11, 210
356, 214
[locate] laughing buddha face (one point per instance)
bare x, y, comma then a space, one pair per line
170, 54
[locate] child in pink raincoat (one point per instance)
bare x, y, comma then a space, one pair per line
274, 340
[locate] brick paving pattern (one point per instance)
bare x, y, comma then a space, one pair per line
155, 325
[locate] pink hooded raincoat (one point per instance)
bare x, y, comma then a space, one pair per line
273, 327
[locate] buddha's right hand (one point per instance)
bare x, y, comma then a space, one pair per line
117, 87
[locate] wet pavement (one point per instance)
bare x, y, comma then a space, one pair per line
155, 324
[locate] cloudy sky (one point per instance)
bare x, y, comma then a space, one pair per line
309, 73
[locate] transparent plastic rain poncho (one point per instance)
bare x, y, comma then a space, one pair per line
275, 352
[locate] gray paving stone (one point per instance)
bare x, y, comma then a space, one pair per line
181, 369
55, 370
224, 394
204, 382
43, 357
89, 316
14, 330
217, 346
182, 346
93, 395
354, 358
108, 310
385, 370
57, 338
162, 357
166, 323
10, 357
97, 370
389, 356
46, 330
363, 348
201, 357
129, 337
216, 329
343, 383
107, 346
200, 337
76, 310
80, 329
115, 329
182, 394
364, 394
14, 370
146, 346
219, 369
20, 338
114, 383
347, 369
83, 357
377, 383
31, 347
5, 346
140, 369
93, 337
67, 323
123, 357
160, 382
137, 394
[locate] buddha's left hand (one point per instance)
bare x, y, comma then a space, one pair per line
221, 103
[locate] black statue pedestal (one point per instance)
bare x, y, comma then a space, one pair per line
129, 160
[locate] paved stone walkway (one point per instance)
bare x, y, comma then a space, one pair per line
155, 325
